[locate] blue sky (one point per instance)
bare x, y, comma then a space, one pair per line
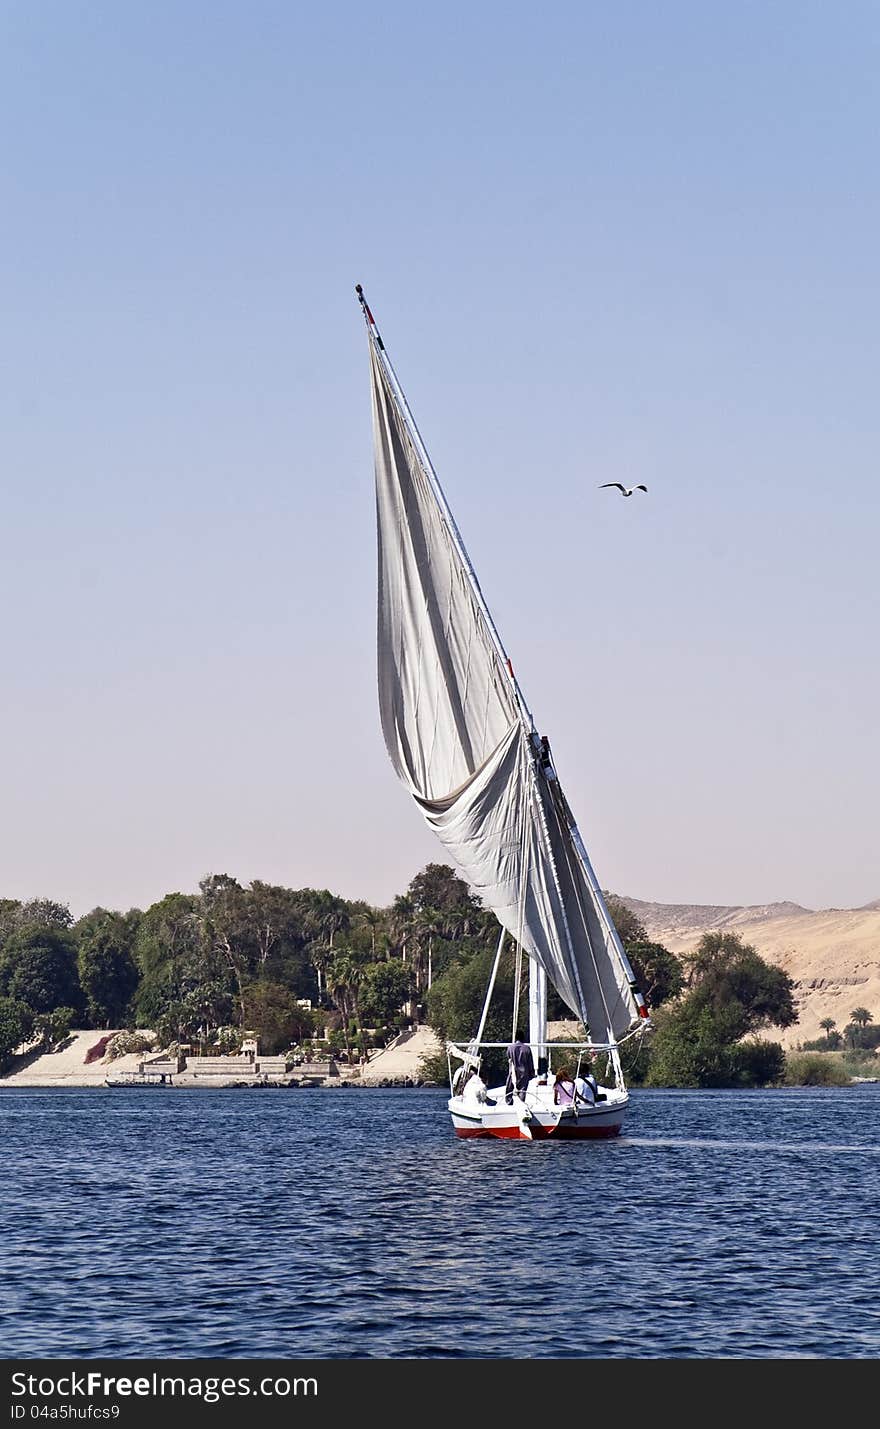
603, 243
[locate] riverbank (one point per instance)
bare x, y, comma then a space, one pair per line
395, 1066
398, 1065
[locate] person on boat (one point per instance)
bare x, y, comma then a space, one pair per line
586, 1087
522, 1069
475, 1089
563, 1088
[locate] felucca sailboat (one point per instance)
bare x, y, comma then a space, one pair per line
462, 740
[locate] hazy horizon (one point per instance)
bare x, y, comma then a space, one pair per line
78, 908
601, 245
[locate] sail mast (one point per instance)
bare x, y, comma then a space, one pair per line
537, 1008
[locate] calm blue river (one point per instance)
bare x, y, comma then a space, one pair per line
302, 1224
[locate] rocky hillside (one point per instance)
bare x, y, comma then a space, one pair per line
833, 956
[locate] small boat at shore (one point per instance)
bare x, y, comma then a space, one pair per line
462, 740
138, 1079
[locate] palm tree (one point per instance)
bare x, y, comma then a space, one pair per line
861, 1016
401, 917
328, 916
339, 986
345, 977
429, 925
373, 921
832, 1038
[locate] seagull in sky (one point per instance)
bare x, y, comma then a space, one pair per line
627, 490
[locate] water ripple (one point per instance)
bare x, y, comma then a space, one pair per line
352, 1224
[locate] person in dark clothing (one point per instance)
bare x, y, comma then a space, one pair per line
522, 1069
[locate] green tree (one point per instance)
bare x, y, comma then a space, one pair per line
273, 1014
724, 972
438, 888
278, 921
456, 1001
859, 1033
326, 916
372, 921
346, 975
658, 973
9, 910
758, 1063
341, 984
384, 990
692, 1047
732, 994
53, 1028
203, 1003
400, 922
38, 968
228, 930
108, 973
43, 913
444, 919
16, 1026
18, 917
167, 945
832, 1036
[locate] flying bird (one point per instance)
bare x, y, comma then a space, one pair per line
627, 490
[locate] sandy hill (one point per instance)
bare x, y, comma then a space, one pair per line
833, 956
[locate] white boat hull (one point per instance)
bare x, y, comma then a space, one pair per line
537, 1119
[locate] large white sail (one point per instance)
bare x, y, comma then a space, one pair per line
461, 741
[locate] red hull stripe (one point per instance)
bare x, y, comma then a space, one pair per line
540, 1133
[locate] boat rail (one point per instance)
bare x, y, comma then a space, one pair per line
580, 1046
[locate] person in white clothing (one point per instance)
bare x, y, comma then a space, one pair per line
475, 1089
587, 1088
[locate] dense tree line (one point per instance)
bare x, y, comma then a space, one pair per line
202, 968
859, 1035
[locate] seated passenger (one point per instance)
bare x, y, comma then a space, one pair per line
475, 1089
563, 1088
586, 1087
